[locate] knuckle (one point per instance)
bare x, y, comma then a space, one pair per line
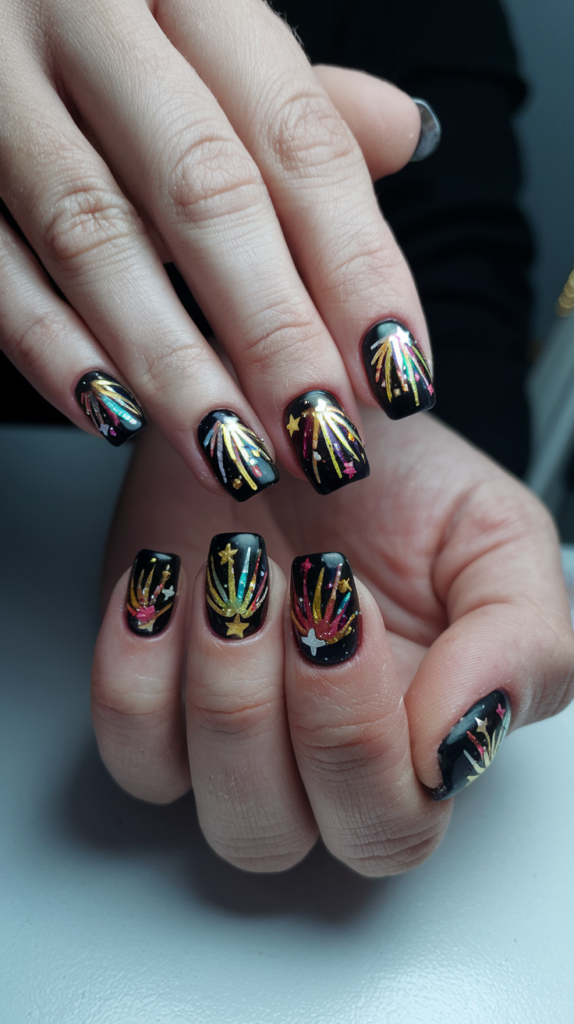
211, 178
278, 335
306, 135
347, 754
263, 852
173, 368
378, 852
226, 715
87, 218
30, 346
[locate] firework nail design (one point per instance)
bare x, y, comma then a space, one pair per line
324, 607
237, 584
328, 446
398, 372
470, 747
238, 458
151, 592
111, 407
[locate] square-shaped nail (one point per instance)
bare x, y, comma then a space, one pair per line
324, 607
398, 372
151, 592
237, 584
111, 407
327, 443
470, 747
238, 459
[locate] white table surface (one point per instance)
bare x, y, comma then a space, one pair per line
115, 912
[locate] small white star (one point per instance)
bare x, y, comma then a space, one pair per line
104, 429
168, 593
321, 405
312, 641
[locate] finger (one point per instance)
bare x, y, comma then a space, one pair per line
250, 801
383, 119
136, 680
91, 240
508, 654
349, 725
186, 167
322, 192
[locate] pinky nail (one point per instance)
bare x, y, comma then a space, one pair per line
152, 591
471, 745
398, 372
110, 406
431, 132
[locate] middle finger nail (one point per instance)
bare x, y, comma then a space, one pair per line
237, 584
327, 443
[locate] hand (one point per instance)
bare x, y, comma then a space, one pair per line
458, 575
195, 131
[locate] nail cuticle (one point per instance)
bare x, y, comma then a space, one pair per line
327, 443
399, 375
237, 458
237, 585
324, 606
111, 407
152, 592
471, 745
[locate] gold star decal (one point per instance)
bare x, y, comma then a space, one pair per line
237, 483
293, 424
237, 627
227, 554
344, 586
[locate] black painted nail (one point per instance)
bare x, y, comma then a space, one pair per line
151, 592
465, 754
398, 372
237, 584
239, 459
111, 407
328, 446
431, 132
324, 607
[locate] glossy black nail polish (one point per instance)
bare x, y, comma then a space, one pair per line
111, 407
239, 459
431, 132
324, 607
151, 592
328, 446
470, 747
398, 372
237, 584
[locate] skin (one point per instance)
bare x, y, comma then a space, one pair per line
193, 131
461, 593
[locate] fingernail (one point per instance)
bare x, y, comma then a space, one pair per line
151, 592
324, 607
111, 407
431, 132
465, 754
237, 584
398, 372
238, 459
327, 443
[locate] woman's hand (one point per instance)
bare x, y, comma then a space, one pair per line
195, 131
458, 578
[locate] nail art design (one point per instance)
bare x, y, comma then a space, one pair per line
238, 458
328, 446
431, 132
398, 372
470, 747
236, 586
151, 592
111, 407
324, 607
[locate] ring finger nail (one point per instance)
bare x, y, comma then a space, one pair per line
327, 443
472, 743
398, 372
239, 459
113, 410
237, 584
151, 592
324, 607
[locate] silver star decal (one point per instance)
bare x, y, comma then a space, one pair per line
312, 641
